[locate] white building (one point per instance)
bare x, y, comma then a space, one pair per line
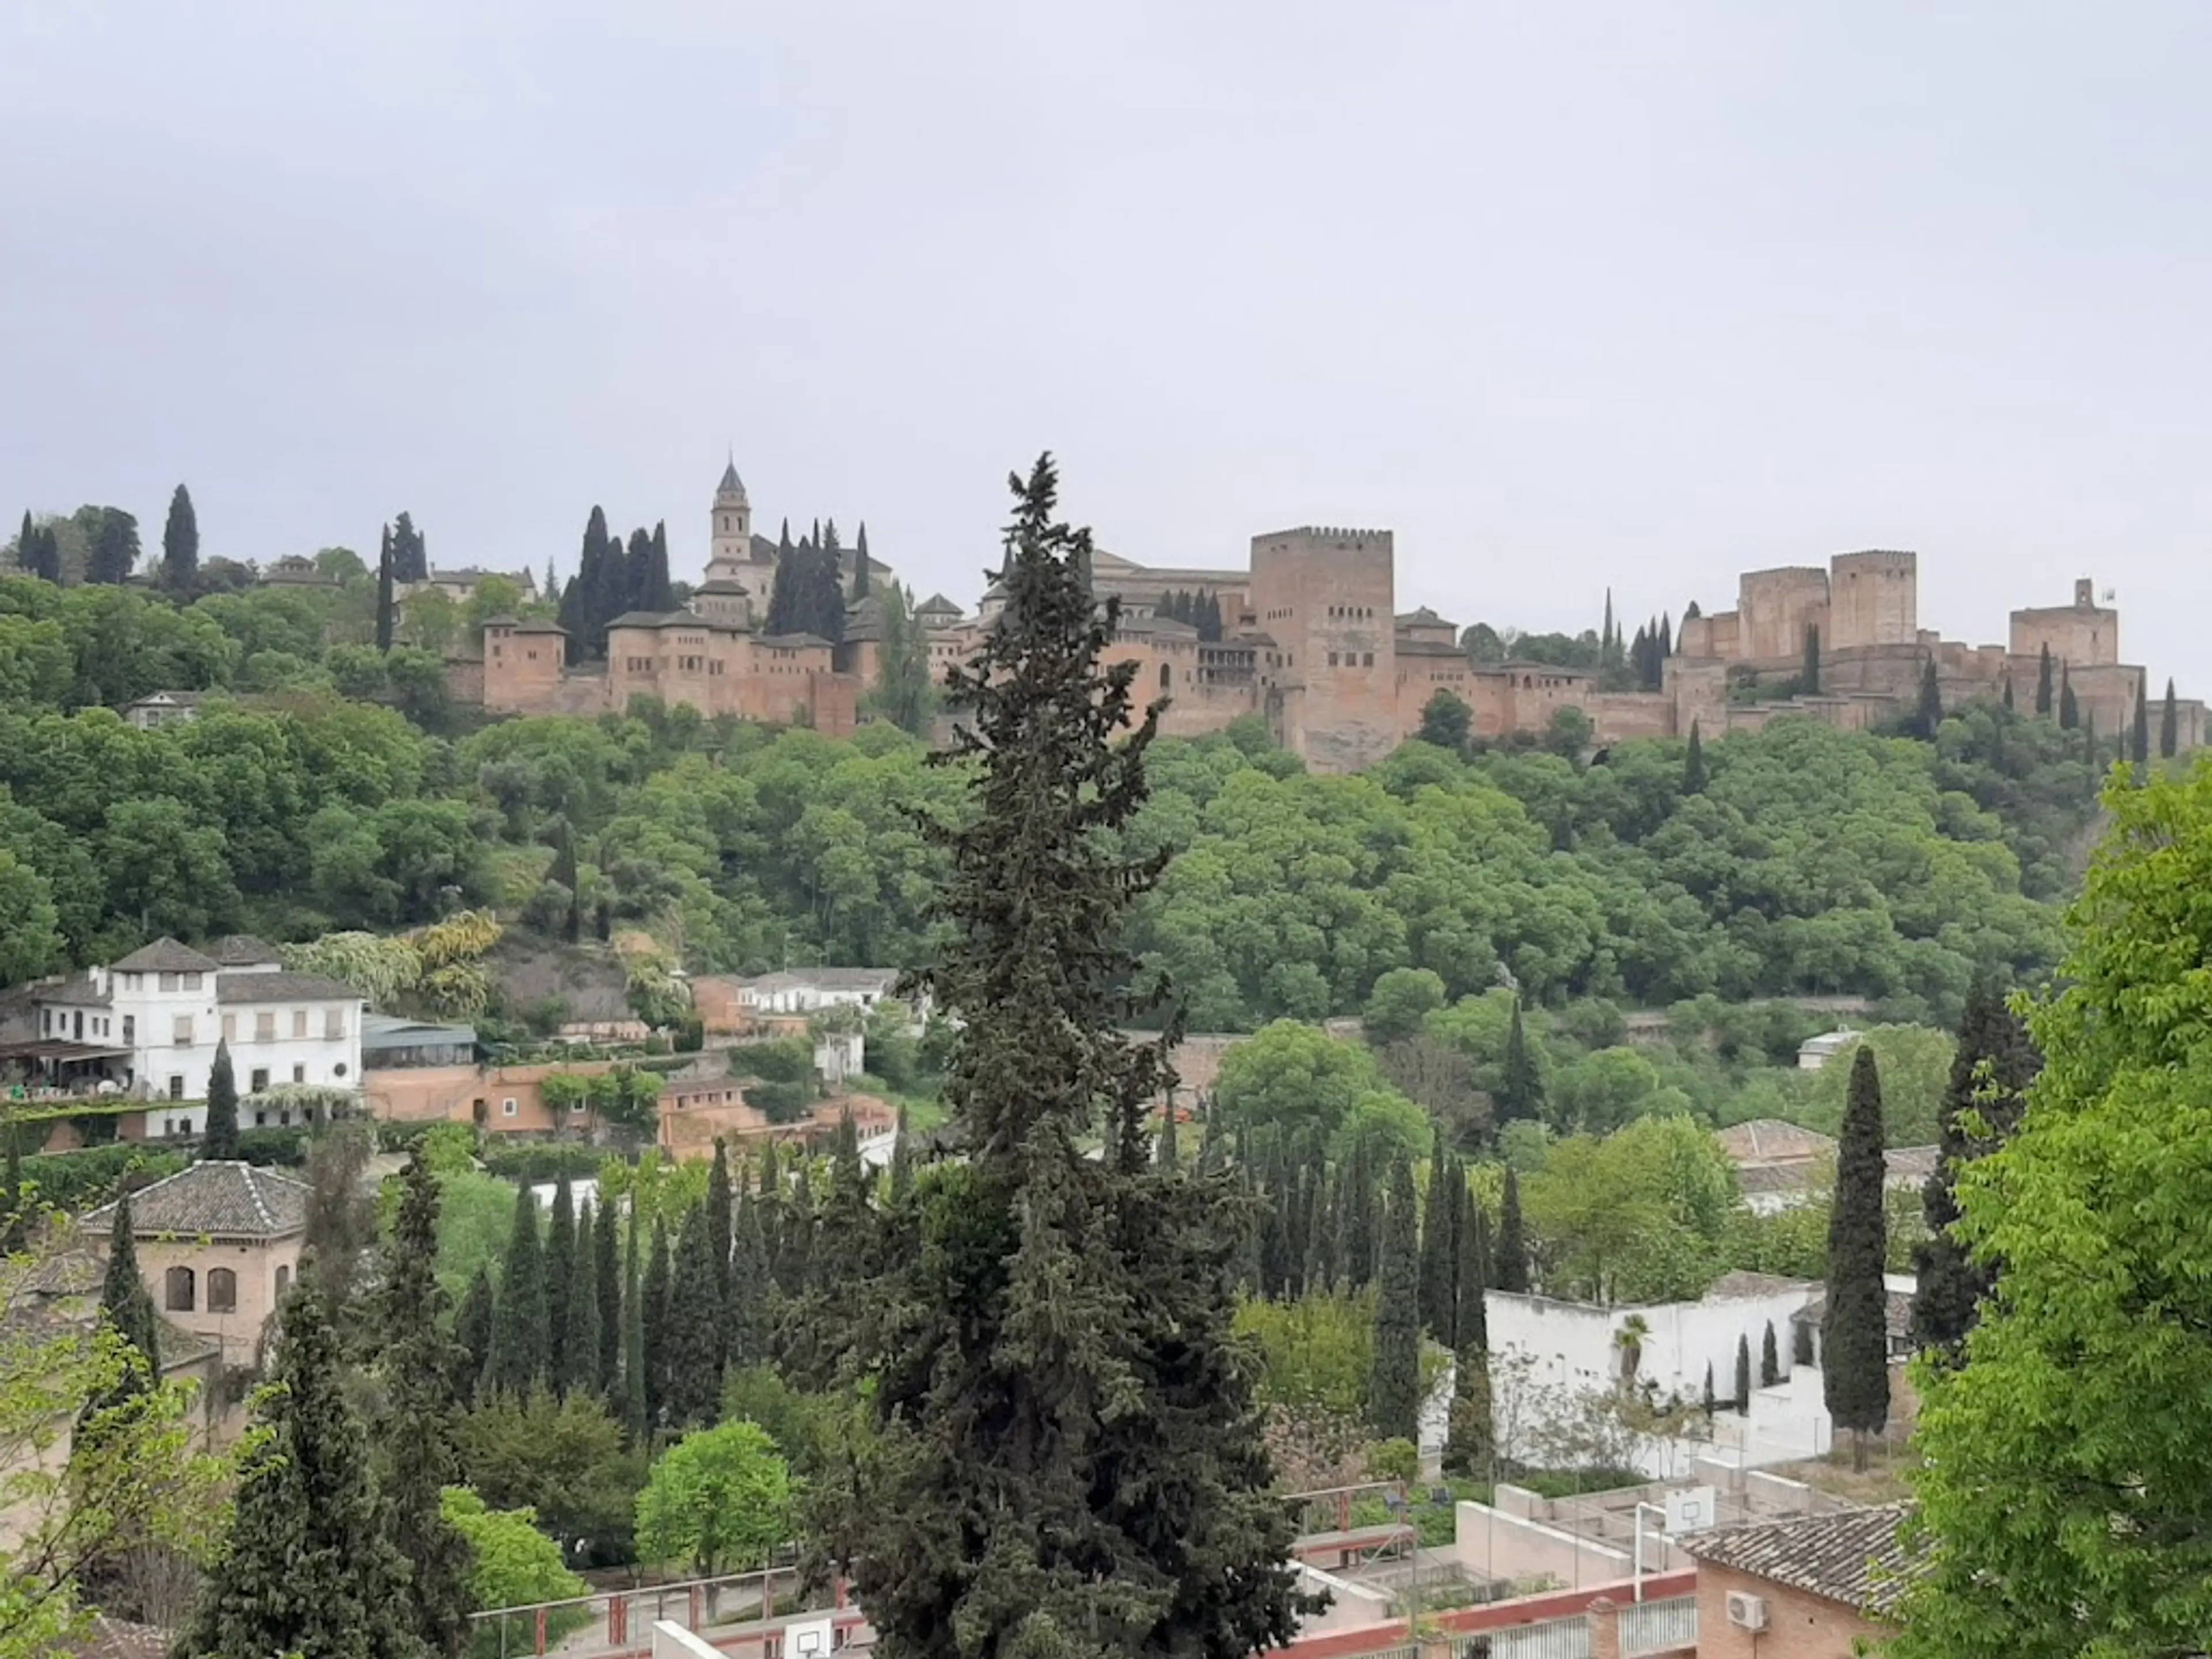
1815, 1052
154, 1019
810, 990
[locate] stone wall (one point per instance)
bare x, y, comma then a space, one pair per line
1873, 598
1774, 607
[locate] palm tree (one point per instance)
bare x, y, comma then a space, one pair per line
1628, 1343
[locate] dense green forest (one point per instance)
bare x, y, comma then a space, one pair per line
335, 787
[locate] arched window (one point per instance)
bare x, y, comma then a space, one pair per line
222, 1291
1528, 684
1164, 677
283, 1282
178, 1282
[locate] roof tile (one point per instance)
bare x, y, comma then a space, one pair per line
1851, 1555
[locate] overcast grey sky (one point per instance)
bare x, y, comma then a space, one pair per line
1566, 294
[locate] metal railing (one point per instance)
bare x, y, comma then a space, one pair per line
1663, 1627
740, 1611
1549, 1638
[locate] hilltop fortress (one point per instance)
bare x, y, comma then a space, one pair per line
1311, 640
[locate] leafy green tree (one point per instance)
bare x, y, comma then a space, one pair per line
415, 1457
1393, 1394
2062, 1496
1052, 1281
305, 1569
111, 546
1294, 1077
1992, 1065
128, 1310
180, 544
1446, 721
518, 1362
410, 553
1512, 1249
30, 930
1854, 1328
511, 1564
563, 1458
718, 1501
1916, 1064
1402, 999
606, 1274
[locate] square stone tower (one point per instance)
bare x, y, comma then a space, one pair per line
1326, 596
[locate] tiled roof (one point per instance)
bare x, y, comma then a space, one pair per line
282, 988
75, 993
731, 484
222, 1200
1853, 1556
1771, 1140
1744, 1284
826, 979
936, 602
1774, 1178
1911, 1164
1896, 1312
795, 641
539, 625
241, 951
165, 955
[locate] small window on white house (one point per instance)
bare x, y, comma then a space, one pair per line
333, 1024
299, 1073
298, 1022
180, 1032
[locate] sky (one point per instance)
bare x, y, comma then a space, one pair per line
1568, 296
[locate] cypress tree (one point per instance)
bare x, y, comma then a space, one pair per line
771, 1207
1694, 765
39, 551
1993, 1064
560, 1285
637, 1415
565, 873
1854, 1331
782, 593
518, 1340
1808, 677
384, 602
660, 590
691, 1349
1362, 1237
580, 1345
220, 1140
2169, 726
1512, 1251
411, 554
305, 1569
1170, 1154
1082, 1388
1439, 1250
749, 1285
1468, 1436
2008, 693
127, 1309
1521, 1090
472, 1330
112, 554
860, 582
1608, 642
2070, 711
550, 593
417, 1459
795, 1252
1770, 1359
654, 1352
2139, 733
1743, 1373
2043, 682
1394, 1392
606, 1278
1928, 713
1711, 1400
180, 544
14, 1207
902, 1160
720, 1211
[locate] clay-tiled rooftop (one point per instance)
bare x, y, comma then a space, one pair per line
165, 955
1853, 1556
217, 1199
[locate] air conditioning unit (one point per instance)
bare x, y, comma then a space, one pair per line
1746, 1612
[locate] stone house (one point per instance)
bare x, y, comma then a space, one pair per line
219, 1245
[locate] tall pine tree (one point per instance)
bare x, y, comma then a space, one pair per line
1809, 676
1853, 1327
606, 1271
1770, 1359
1468, 1437
220, 1140
691, 1349
411, 554
2139, 733
2043, 682
304, 1568
1512, 1248
1068, 1457
415, 1459
1928, 712
653, 1310
560, 1285
1521, 1090
580, 1345
2169, 725
1991, 1066
472, 1331
518, 1340
2069, 710
127, 1309
385, 607
1439, 1253
111, 553
1394, 1391
635, 1408
862, 583
180, 544
1694, 765
721, 1211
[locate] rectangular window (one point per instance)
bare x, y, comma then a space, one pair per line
1332, 660
506, 1107
192, 981
299, 1074
333, 1024
1367, 660
181, 1031
260, 1080
298, 1022
230, 1028
168, 982
261, 1120
176, 1086
265, 1026
129, 1029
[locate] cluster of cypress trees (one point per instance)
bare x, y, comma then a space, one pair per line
1201, 610
1647, 652
613, 579
807, 594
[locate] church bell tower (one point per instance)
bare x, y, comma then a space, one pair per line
732, 542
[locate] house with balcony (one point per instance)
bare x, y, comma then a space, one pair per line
146, 1028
